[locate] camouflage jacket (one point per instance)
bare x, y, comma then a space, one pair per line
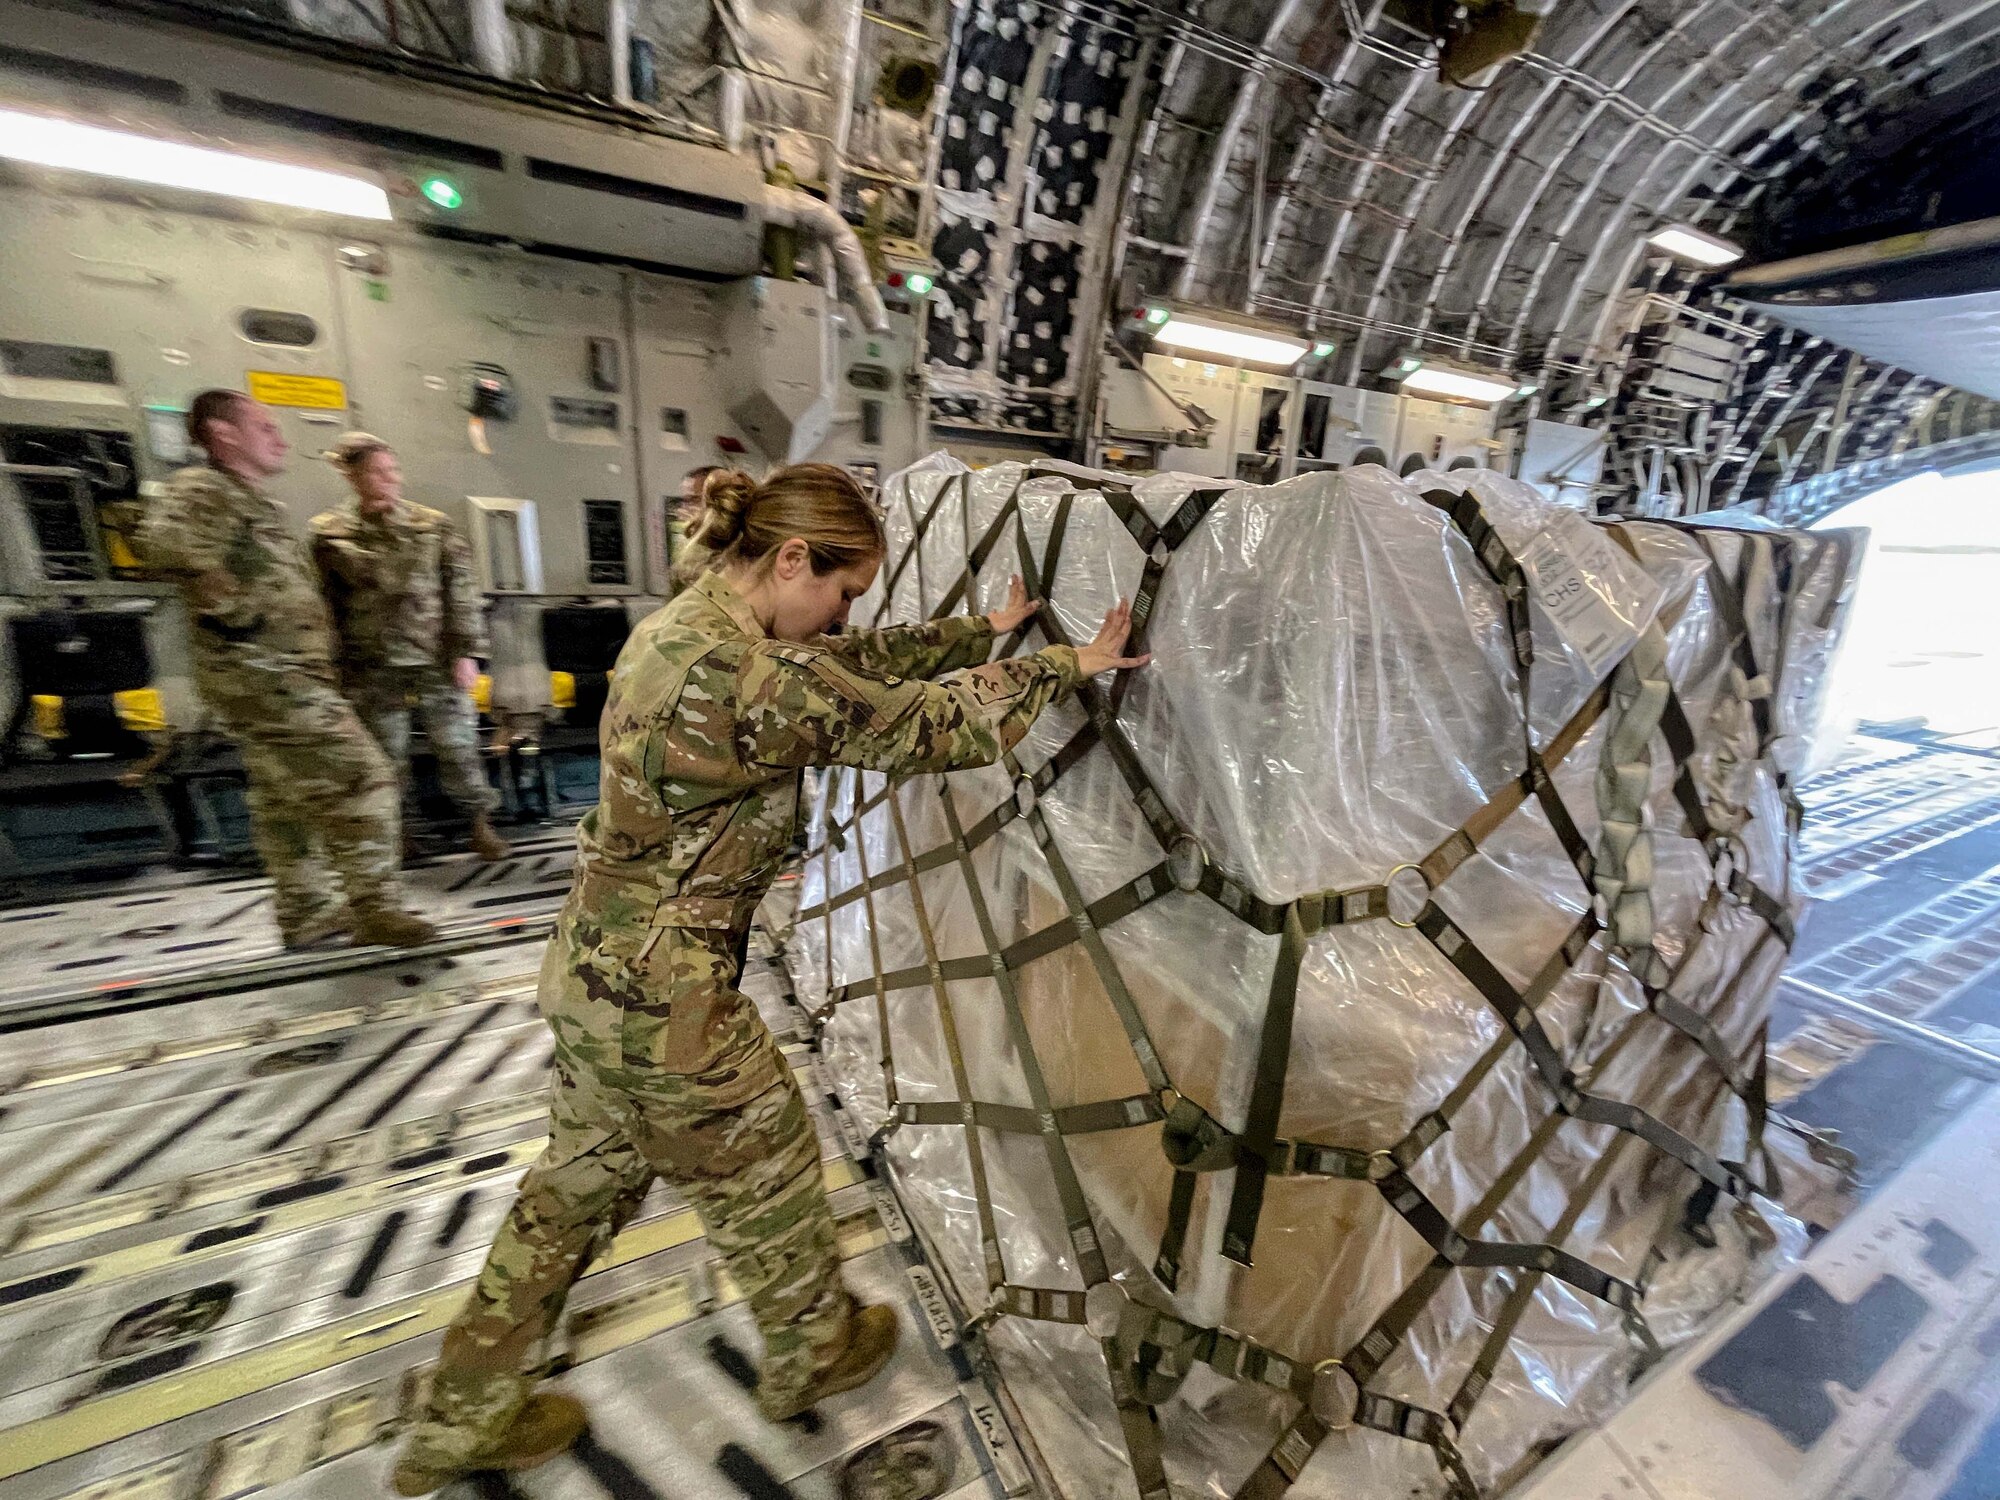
248, 581
400, 586
709, 721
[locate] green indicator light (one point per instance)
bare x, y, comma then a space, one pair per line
919, 284
442, 191
1157, 315
1322, 349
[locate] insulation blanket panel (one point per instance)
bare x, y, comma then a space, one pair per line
1330, 1060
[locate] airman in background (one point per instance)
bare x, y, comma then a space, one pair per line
406, 610
320, 791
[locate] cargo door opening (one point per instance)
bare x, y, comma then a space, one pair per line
1922, 655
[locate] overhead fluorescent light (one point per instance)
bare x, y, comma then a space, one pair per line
1224, 338
1685, 242
70, 146
1460, 385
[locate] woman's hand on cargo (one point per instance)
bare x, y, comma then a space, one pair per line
1107, 652
1016, 612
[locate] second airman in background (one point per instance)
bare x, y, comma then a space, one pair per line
398, 578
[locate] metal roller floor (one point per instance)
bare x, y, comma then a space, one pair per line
242, 1191
164, 936
232, 1227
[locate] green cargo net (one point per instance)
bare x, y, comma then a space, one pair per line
1147, 1350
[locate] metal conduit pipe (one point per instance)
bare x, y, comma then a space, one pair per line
1695, 215
1973, 1060
1357, 191
1566, 72
1784, 365
492, 38
820, 221
1637, 250
618, 42
1248, 55
1676, 80
1674, 195
1302, 154
1879, 23
1606, 93
1525, 119
1291, 308
1644, 116
1780, 132
1247, 92
1482, 195
1853, 418
1409, 215
1589, 197
1915, 74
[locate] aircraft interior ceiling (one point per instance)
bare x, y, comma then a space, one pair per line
1316, 164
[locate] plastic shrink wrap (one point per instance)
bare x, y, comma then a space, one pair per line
1331, 1059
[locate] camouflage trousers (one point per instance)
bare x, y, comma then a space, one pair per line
733, 1136
320, 794
387, 697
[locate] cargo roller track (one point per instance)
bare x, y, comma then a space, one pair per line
239, 1201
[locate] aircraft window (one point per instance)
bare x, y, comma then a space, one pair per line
33, 361
604, 541
264, 325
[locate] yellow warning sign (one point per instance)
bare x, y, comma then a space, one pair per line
317, 392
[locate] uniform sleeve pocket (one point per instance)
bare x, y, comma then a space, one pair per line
858, 697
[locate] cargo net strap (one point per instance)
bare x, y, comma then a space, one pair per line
1147, 1350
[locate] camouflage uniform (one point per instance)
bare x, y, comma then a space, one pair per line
663, 1066
320, 791
407, 608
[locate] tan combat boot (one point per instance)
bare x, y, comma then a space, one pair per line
392, 928
487, 844
548, 1425
320, 931
871, 1340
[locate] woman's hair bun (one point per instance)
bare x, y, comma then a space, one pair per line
725, 500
